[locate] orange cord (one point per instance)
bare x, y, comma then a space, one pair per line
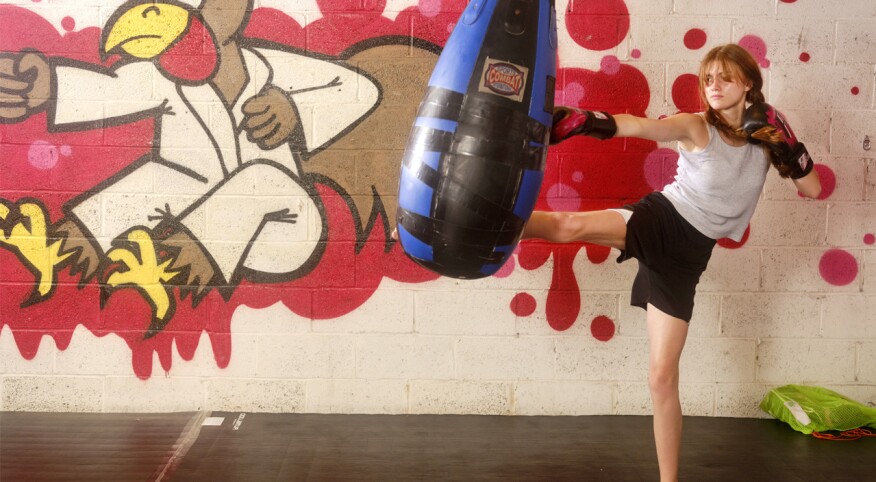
853, 434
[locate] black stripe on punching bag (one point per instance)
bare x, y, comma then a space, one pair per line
425, 229
441, 103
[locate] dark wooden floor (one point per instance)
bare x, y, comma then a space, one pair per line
268, 447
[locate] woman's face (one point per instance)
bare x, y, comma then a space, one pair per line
724, 90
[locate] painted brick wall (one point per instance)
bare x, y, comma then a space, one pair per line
322, 312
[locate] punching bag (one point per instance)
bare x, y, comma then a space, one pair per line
474, 162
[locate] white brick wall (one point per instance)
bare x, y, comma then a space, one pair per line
764, 316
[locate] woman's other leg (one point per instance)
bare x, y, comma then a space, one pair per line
666, 335
606, 228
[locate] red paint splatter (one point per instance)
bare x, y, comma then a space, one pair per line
598, 25
523, 304
730, 244
695, 38
598, 254
602, 328
855, 91
685, 93
838, 267
788, 1
804, 57
828, 181
68, 23
604, 174
636, 53
869, 238
757, 48
564, 295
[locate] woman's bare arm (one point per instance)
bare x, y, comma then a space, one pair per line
809, 185
689, 129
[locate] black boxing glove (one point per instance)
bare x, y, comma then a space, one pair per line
571, 121
787, 150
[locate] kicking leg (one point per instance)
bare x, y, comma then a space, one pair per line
606, 228
666, 335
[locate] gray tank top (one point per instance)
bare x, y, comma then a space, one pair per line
716, 190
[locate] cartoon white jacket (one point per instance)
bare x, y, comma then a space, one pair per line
206, 173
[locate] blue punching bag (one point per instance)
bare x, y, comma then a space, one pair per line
475, 159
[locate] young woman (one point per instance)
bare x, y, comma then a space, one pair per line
724, 156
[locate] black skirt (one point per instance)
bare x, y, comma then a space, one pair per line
672, 256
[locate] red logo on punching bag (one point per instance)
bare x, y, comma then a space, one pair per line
505, 79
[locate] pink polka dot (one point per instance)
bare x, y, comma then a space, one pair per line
42, 155
506, 269
602, 328
562, 197
869, 238
66, 150
577, 176
636, 53
757, 48
695, 38
804, 57
572, 94
430, 8
610, 65
838, 267
523, 304
68, 23
659, 168
855, 91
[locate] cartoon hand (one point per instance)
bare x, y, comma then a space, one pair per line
25, 85
270, 118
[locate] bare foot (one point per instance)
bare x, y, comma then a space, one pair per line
394, 234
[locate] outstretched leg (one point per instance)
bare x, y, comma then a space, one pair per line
666, 335
606, 228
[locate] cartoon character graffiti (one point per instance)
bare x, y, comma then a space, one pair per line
222, 194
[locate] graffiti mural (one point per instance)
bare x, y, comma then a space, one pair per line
230, 175
187, 157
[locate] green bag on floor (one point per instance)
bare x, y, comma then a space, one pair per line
814, 409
